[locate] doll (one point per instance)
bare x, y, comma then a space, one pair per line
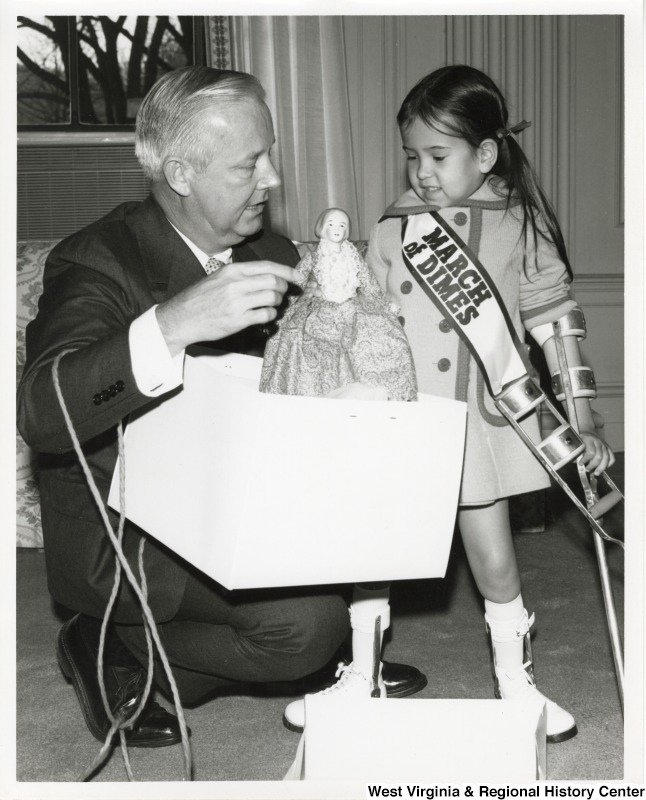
348, 335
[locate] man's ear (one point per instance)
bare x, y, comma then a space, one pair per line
177, 173
487, 155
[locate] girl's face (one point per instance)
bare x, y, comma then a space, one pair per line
443, 170
335, 226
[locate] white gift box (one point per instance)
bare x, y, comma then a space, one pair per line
421, 741
261, 490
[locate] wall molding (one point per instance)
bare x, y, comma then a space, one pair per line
611, 389
599, 289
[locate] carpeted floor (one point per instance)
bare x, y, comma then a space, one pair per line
437, 625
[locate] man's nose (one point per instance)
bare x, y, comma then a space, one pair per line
269, 178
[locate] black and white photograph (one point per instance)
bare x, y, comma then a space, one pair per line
329, 346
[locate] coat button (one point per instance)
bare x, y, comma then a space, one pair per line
406, 287
402, 321
444, 365
97, 400
445, 326
120, 386
460, 218
105, 395
112, 389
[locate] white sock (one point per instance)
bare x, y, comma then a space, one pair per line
503, 619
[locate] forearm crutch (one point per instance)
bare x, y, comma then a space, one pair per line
561, 447
564, 445
593, 503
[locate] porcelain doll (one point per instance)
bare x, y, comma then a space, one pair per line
350, 334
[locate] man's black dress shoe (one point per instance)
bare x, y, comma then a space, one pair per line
77, 648
402, 680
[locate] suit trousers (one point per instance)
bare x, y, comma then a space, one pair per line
219, 638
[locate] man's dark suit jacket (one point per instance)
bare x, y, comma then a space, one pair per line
96, 282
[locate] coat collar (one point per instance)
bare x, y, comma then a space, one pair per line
492, 195
169, 264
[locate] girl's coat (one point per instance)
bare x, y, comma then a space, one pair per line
497, 463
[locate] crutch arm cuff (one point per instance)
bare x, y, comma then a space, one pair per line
582, 380
532, 318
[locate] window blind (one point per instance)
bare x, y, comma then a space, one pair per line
62, 188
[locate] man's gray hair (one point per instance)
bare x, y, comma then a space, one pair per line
168, 120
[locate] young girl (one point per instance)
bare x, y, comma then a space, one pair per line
466, 168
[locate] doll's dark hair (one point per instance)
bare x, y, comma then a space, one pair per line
465, 102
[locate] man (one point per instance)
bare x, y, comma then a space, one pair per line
122, 299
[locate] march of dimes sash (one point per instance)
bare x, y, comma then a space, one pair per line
460, 287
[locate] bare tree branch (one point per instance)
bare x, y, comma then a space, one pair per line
104, 83
40, 72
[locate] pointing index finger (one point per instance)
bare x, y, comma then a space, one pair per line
251, 268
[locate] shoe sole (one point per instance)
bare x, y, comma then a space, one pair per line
291, 727
71, 674
555, 738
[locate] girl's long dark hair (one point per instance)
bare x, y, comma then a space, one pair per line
465, 102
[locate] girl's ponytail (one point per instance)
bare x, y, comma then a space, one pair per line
522, 183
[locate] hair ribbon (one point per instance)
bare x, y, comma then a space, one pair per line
504, 133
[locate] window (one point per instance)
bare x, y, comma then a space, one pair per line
91, 72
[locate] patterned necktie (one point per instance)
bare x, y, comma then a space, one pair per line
213, 265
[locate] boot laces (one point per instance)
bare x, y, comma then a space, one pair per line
519, 684
345, 674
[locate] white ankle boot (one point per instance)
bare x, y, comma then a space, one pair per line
351, 683
369, 618
517, 682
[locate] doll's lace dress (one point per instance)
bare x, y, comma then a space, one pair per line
350, 334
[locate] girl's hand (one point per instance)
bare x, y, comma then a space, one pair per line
597, 456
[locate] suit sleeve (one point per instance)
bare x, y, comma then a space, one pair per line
86, 315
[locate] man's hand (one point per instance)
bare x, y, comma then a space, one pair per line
233, 298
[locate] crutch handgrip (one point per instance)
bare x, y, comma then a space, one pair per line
607, 502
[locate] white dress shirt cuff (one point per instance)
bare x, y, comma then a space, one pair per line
156, 371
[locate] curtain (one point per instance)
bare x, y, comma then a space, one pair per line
335, 151
301, 63
531, 58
